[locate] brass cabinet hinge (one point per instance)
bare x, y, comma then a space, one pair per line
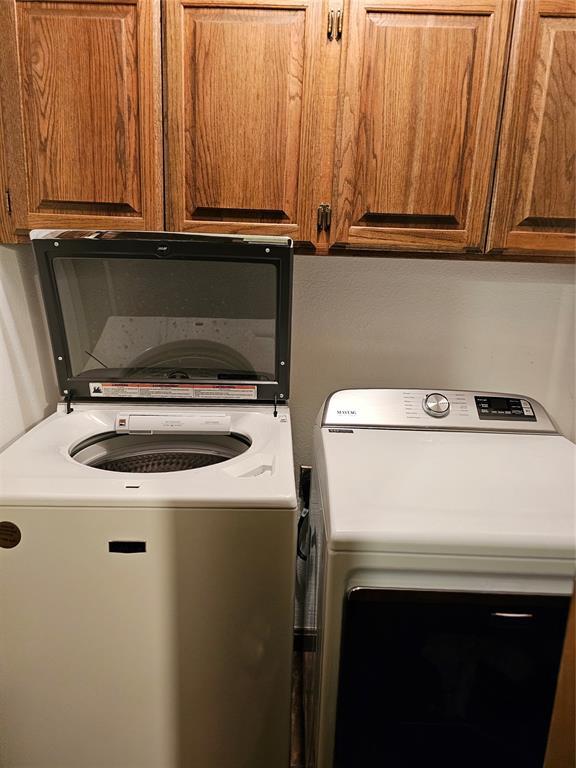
324, 217
8, 201
339, 24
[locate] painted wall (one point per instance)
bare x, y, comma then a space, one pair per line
359, 322
27, 382
437, 324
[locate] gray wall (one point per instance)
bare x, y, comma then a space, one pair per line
359, 322
27, 380
433, 324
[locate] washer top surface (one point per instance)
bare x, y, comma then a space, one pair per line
39, 469
440, 490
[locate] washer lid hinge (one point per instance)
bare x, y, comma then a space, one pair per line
69, 395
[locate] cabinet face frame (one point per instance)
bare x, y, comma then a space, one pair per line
143, 109
513, 225
357, 226
199, 175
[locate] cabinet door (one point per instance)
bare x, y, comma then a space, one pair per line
241, 114
12, 167
419, 100
89, 128
535, 193
7, 233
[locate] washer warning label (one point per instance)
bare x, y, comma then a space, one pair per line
175, 391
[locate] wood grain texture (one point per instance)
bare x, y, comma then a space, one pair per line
246, 75
376, 251
7, 228
82, 132
239, 82
12, 121
419, 101
90, 95
319, 132
561, 751
417, 146
427, 6
534, 205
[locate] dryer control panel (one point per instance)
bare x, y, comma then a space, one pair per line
504, 408
435, 409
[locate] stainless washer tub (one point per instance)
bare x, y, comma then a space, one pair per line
115, 452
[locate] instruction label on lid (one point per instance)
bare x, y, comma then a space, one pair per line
173, 391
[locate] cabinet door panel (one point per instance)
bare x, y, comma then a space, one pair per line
419, 103
535, 194
90, 98
239, 102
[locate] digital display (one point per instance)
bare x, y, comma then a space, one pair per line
504, 408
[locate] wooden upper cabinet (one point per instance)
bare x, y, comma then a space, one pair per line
535, 193
88, 139
241, 115
420, 93
260, 116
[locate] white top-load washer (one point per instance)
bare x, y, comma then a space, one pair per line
147, 530
446, 560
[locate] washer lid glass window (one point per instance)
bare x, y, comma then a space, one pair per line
170, 316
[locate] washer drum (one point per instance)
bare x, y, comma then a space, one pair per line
115, 452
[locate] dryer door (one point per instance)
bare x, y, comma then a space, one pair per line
447, 679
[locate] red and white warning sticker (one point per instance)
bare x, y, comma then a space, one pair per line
172, 391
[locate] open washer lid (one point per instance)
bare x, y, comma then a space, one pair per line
168, 316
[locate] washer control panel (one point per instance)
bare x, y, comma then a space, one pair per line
435, 409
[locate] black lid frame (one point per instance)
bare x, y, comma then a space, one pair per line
165, 246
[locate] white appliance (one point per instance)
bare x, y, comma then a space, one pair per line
446, 530
148, 526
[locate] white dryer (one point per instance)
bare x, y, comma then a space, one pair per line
147, 530
447, 559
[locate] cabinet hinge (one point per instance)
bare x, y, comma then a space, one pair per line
324, 217
8, 201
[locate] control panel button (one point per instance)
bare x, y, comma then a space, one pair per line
436, 404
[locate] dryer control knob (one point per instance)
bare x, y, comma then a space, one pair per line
436, 404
